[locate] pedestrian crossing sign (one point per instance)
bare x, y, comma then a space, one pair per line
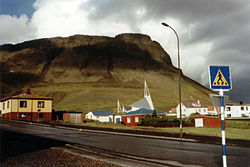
220, 78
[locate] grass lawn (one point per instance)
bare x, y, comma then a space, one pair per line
234, 129
232, 133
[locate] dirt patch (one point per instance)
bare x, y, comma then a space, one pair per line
53, 157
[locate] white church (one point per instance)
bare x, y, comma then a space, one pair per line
145, 102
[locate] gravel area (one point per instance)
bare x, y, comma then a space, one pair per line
53, 157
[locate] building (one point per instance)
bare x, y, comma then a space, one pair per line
233, 110
145, 102
117, 119
133, 118
27, 106
102, 116
205, 121
73, 116
190, 107
237, 110
211, 111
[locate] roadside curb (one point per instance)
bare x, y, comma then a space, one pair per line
129, 134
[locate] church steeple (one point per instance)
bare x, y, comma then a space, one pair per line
146, 90
119, 107
147, 96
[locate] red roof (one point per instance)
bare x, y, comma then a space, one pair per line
26, 96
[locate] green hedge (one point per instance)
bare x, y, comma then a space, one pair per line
170, 121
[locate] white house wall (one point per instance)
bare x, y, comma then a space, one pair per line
237, 111
91, 116
186, 112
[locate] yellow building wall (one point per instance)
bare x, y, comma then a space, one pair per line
4, 107
47, 106
32, 106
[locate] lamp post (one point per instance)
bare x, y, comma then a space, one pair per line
179, 78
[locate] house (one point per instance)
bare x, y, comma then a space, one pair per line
171, 112
211, 110
237, 110
233, 110
133, 118
27, 107
73, 116
102, 116
190, 107
145, 102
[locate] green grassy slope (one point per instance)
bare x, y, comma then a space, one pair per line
103, 95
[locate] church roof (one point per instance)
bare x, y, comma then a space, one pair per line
142, 103
143, 111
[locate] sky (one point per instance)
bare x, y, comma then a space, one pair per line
211, 32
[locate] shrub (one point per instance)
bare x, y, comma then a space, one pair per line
191, 117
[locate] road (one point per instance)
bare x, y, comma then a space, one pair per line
149, 148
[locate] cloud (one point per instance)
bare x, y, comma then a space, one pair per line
72, 17
16, 29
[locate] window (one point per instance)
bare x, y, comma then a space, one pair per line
229, 115
3, 106
228, 109
136, 119
242, 108
23, 104
8, 104
246, 108
128, 120
40, 104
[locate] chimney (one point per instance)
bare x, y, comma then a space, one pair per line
241, 102
28, 92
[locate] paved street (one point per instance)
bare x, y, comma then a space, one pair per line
184, 152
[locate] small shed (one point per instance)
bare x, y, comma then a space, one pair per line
73, 116
206, 121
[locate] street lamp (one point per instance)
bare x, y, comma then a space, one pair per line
178, 47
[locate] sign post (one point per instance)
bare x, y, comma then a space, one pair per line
220, 80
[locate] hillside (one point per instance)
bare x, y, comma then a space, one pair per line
91, 72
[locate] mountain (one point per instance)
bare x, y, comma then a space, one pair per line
91, 72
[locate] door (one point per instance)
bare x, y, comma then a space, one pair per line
198, 122
75, 118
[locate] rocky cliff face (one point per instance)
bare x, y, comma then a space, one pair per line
131, 51
77, 57
90, 61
